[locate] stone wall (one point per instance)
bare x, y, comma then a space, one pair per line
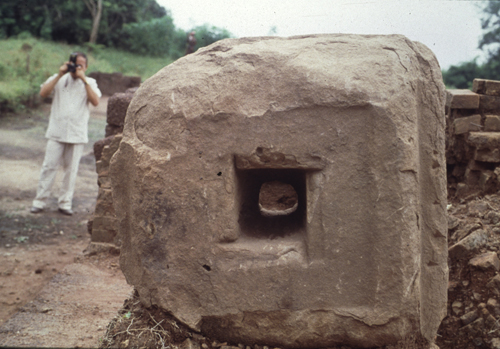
111, 83
104, 227
473, 139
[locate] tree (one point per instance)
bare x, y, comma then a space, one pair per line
118, 13
96, 12
207, 35
154, 37
491, 24
462, 76
138, 26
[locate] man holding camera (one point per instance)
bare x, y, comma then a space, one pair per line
67, 132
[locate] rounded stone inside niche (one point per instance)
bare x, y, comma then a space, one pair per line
277, 199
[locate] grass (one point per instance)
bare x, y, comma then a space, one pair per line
26, 63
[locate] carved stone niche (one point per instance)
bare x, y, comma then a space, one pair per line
355, 124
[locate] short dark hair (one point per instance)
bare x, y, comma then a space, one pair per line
81, 54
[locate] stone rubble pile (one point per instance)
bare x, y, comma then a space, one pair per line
473, 314
473, 139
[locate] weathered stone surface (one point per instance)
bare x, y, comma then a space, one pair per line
453, 222
462, 99
356, 125
492, 123
111, 130
485, 261
109, 150
277, 199
487, 180
99, 145
89, 226
466, 124
104, 182
495, 343
104, 229
101, 247
105, 226
189, 344
489, 102
469, 317
494, 282
493, 306
117, 108
487, 155
486, 87
487, 146
471, 243
475, 328
104, 205
132, 89
474, 165
111, 83
102, 165
457, 307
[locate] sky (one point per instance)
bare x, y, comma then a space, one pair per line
451, 28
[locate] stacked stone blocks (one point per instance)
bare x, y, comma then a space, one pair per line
473, 139
104, 227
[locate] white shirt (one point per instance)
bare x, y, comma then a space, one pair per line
70, 113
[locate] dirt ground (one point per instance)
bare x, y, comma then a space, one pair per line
54, 295
36, 247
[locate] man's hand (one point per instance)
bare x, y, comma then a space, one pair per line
80, 73
91, 95
63, 69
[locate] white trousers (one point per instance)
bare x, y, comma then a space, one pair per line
68, 155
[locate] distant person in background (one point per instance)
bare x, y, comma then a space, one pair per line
67, 133
191, 43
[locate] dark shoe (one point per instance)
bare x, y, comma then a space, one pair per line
68, 212
34, 209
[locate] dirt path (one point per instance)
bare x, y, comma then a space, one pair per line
35, 248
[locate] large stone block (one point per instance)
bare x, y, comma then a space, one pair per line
492, 123
466, 124
117, 108
487, 146
486, 87
489, 103
462, 99
355, 124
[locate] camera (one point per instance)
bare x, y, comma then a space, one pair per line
72, 63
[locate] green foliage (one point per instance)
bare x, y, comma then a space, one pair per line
113, 60
20, 81
142, 27
462, 76
491, 25
153, 37
118, 13
207, 35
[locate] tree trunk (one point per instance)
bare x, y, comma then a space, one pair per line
96, 12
